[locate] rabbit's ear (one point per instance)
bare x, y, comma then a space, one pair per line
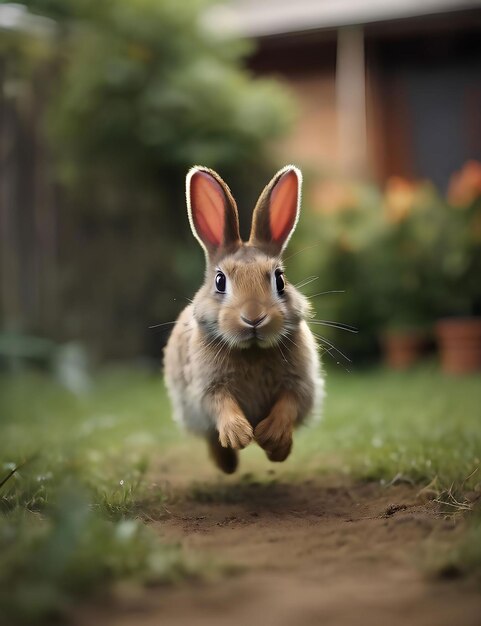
212, 210
277, 211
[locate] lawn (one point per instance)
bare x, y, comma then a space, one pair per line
74, 516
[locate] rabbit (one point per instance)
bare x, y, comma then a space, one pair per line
241, 364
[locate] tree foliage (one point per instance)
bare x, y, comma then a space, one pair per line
147, 88
140, 90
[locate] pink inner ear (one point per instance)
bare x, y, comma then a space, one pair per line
208, 210
283, 206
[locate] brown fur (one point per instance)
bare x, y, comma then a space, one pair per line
226, 459
225, 376
274, 433
234, 429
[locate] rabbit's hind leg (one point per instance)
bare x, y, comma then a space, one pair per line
226, 459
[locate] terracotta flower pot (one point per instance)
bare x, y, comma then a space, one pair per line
402, 349
459, 341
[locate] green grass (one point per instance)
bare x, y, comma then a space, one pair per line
68, 522
71, 516
458, 558
104, 439
417, 425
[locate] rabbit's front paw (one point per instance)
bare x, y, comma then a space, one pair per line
274, 438
274, 433
234, 431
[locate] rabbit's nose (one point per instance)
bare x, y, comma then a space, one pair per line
253, 313
254, 322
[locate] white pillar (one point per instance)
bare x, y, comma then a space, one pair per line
351, 101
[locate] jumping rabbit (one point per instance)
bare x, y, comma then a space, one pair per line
241, 364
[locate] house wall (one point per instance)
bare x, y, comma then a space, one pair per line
313, 141
306, 65
423, 93
427, 89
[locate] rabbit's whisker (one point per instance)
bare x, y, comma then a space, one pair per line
219, 350
280, 349
206, 347
222, 343
326, 349
331, 345
306, 281
288, 337
314, 245
338, 325
162, 324
324, 293
225, 354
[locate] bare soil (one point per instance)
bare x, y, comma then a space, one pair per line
322, 551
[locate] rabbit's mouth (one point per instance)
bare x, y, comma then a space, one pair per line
256, 338
262, 328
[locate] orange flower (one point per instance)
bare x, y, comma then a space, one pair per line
465, 185
399, 197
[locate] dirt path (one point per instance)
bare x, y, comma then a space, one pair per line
313, 552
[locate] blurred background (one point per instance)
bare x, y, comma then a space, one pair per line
105, 105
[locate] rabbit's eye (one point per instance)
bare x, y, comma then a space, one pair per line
220, 282
280, 282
